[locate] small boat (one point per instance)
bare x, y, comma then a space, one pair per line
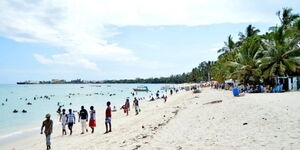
24, 111
15, 111
141, 89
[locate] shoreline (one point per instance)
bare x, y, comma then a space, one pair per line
30, 122
24, 133
28, 132
190, 121
21, 134
18, 135
119, 115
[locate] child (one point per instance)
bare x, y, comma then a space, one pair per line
48, 124
92, 122
108, 117
70, 120
63, 120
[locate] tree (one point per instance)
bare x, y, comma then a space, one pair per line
245, 68
249, 32
220, 72
286, 17
229, 45
281, 54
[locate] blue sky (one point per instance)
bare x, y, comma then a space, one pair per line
98, 40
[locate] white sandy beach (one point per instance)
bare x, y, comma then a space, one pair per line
272, 122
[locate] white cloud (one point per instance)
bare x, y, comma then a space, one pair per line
80, 28
42, 59
67, 59
61, 24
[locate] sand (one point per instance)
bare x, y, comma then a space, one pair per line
191, 121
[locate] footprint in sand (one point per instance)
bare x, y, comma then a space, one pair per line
137, 147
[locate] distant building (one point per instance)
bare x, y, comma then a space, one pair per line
77, 81
58, 81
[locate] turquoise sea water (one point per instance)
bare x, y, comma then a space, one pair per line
81, 94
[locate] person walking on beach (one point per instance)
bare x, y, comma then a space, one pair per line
165, 98
92, 122
63, 120
70, 120
108, 117
136, 106
127, 106
48, 125
83, 118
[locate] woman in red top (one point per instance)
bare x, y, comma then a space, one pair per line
108, 117
92, 122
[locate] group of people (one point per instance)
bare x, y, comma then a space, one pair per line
249, 88
70, 119
164, 97
126, 106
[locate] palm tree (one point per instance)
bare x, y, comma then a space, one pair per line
286, 17
249, 32
294, 30
254, 56
219, 71
297, 25
229, 45
205, 70
281, 54
245, 65
281, 47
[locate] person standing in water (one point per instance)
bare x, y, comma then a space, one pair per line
63, 120
71, 120
59, 110
83, 118
48, 124
108, 117
92, 122
136, 106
